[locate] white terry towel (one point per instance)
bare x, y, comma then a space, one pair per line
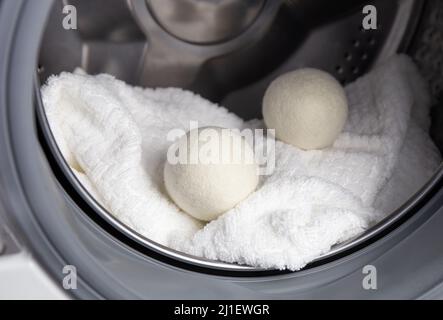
114, 138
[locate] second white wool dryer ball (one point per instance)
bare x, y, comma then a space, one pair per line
307, 108
210, 170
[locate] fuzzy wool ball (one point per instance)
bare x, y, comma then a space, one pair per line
210, 170
307, 108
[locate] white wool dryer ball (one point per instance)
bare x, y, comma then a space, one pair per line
307, 108
210, 170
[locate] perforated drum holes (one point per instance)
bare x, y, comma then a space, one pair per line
339, 69
361, 50
40, 69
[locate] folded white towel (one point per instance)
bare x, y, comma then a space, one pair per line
114, 137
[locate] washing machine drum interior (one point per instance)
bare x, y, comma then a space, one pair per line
228, 52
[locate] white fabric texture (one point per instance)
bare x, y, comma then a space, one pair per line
114, 137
